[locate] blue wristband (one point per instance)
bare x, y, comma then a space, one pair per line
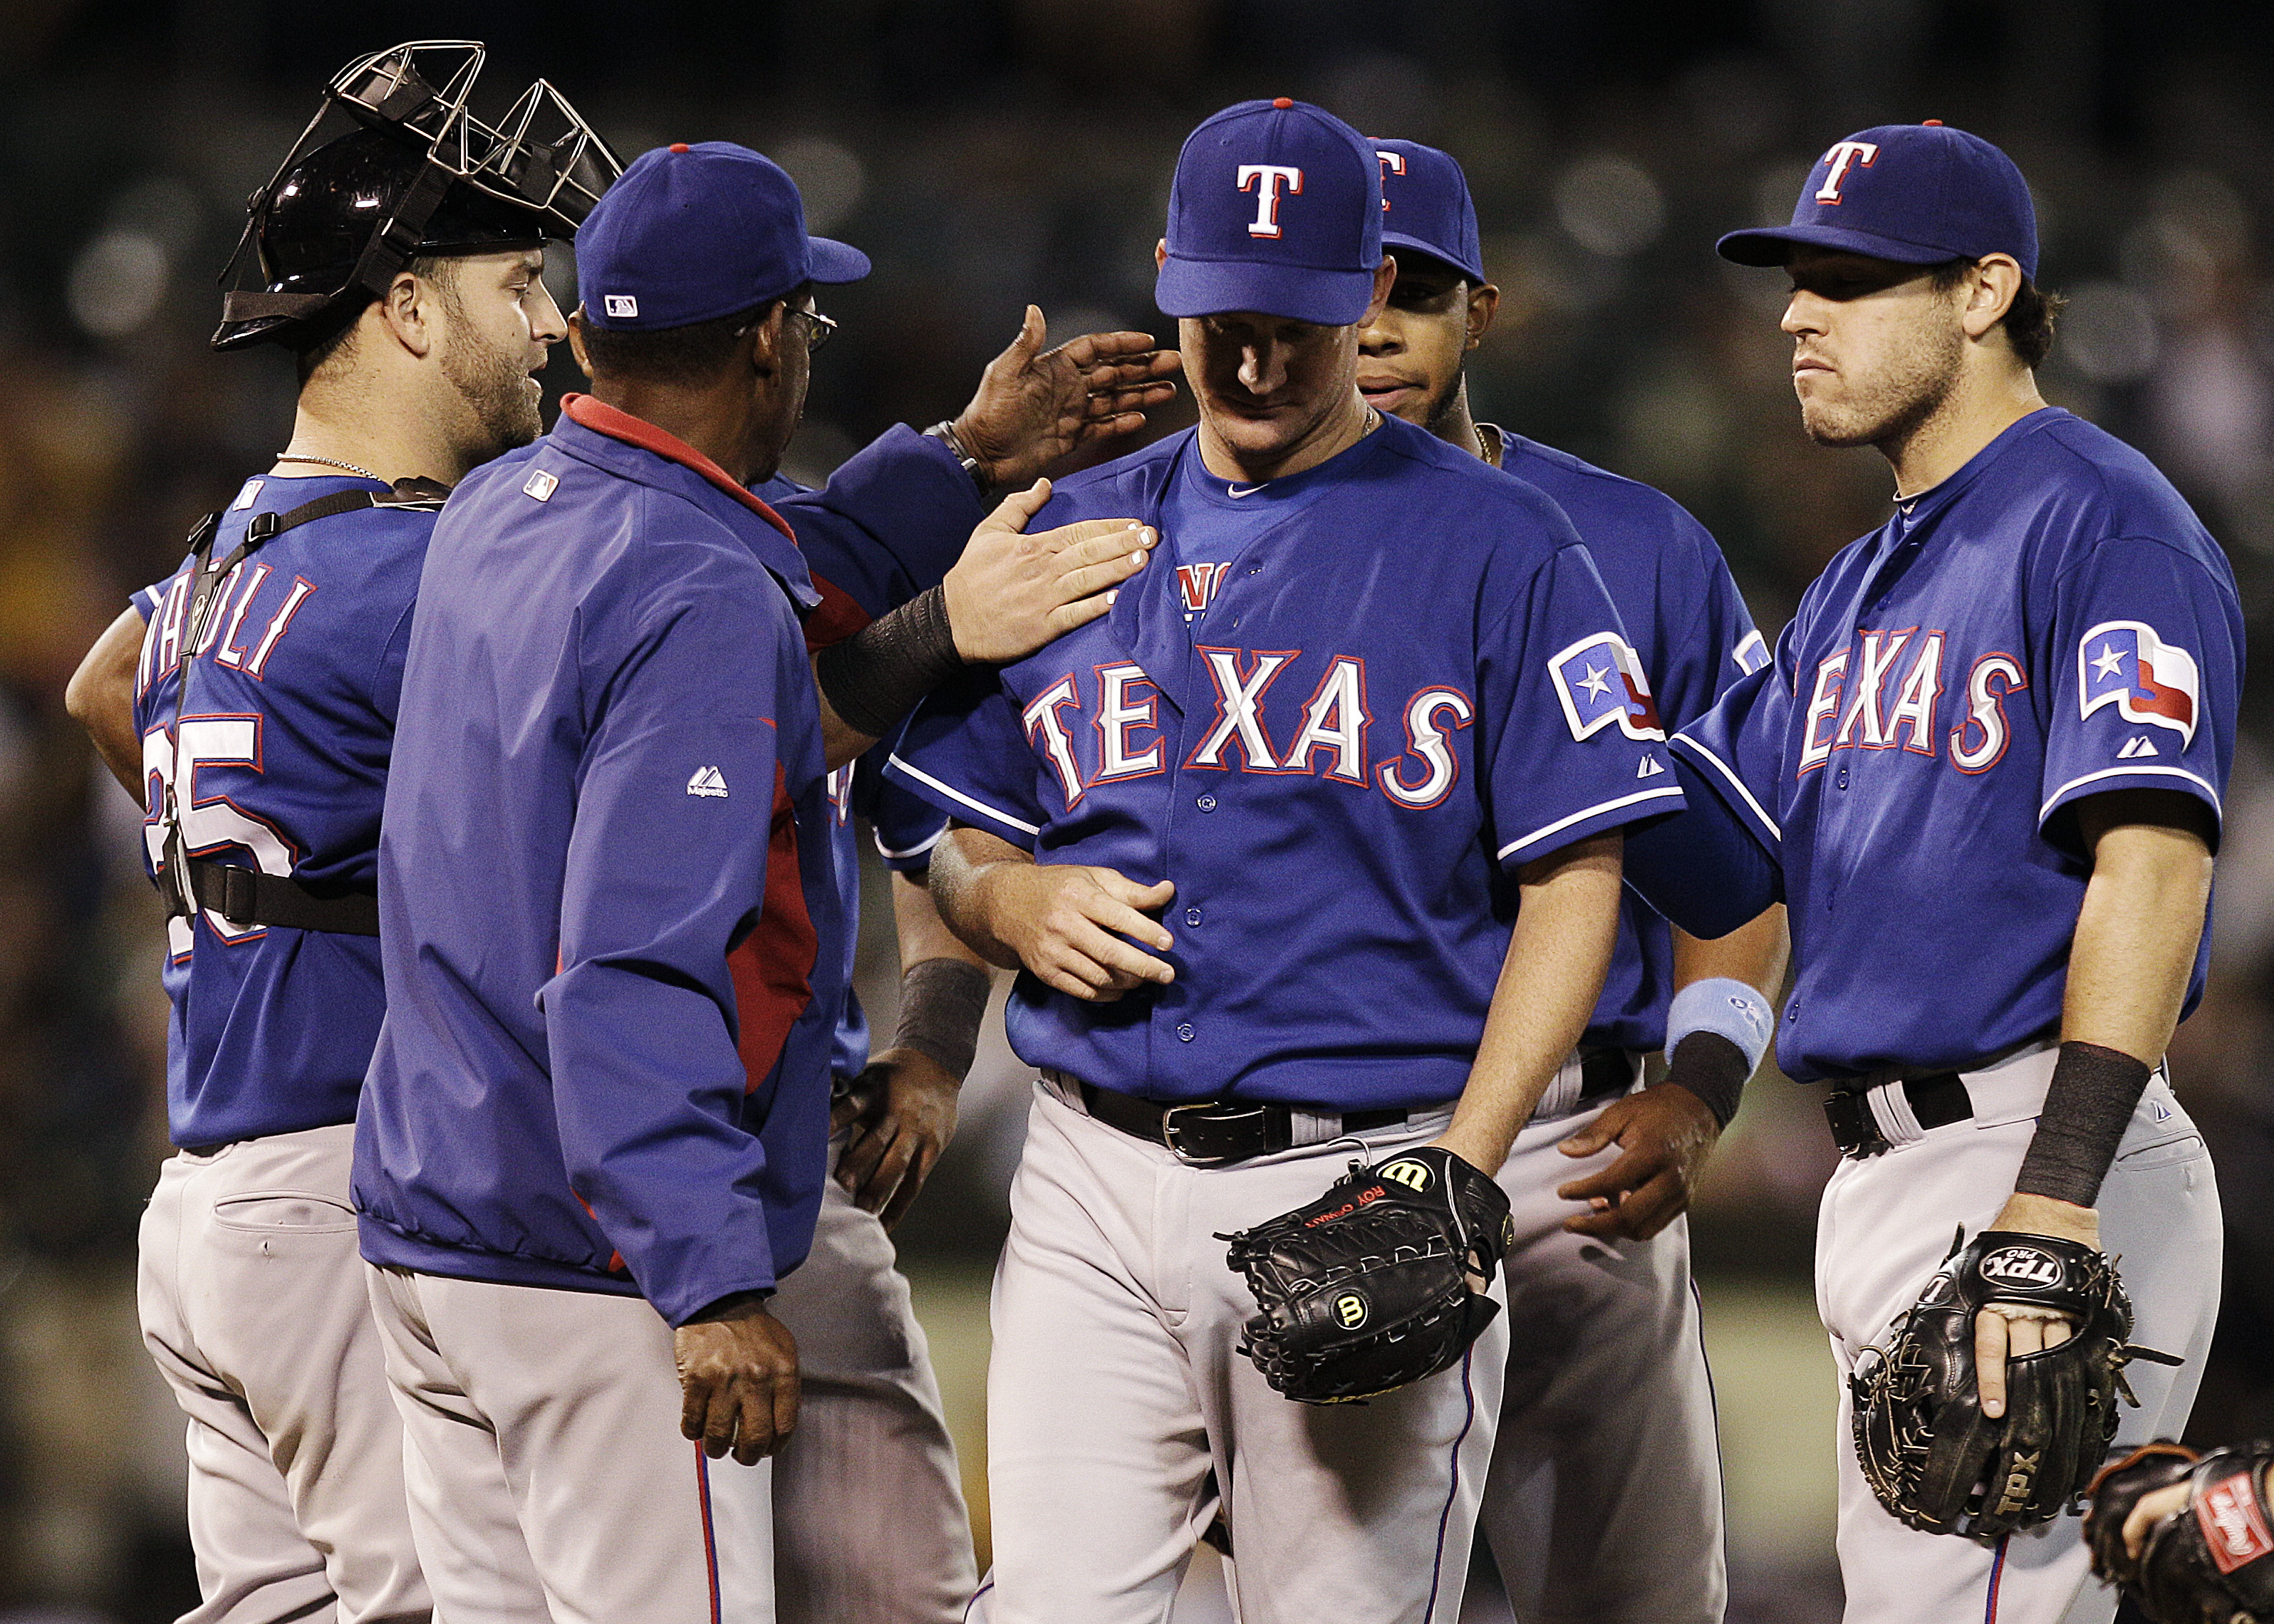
1728, 1008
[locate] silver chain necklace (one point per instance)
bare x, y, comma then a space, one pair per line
296, 456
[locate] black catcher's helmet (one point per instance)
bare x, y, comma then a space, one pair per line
416, 174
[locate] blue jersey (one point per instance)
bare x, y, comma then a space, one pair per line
1337, 710
891, 523
2050, 622
1686, 621
279, 764
582, 819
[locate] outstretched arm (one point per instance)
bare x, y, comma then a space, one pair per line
1009, 594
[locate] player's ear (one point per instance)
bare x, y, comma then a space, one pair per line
762, 339
1160, 253
577, 343
412, 312
1484, 305
1989, 289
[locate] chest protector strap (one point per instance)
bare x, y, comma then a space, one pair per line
246, 897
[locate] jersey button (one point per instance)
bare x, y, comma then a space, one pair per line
1206, 803
1185, 1033
1192, 916
1844, 777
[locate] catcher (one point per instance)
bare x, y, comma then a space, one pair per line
2189, 1538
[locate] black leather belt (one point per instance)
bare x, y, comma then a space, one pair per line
1218, 1132
1937, 1100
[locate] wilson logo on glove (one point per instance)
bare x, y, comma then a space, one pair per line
1366, 1288
1412, 1174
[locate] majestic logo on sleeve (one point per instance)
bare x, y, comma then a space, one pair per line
2124, 664
1600, 680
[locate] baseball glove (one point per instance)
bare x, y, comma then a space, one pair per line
2210, 1562
1366, 1288
1929, 1453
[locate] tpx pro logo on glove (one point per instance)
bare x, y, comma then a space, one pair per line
2021, 1265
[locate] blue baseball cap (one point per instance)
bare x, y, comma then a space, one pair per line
1918, 194
1276, 207
689, 234
1426, 205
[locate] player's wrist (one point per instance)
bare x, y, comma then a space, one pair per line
2025, 1214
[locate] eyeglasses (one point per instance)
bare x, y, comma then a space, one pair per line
818, 329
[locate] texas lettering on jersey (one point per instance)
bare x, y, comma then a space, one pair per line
1889, 700
1108, 728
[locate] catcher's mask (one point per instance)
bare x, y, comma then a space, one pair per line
415, 173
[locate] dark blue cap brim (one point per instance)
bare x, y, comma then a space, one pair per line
1773, 246
834, 262
1392, 241
1292, 292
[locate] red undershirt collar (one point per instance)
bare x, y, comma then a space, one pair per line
589, 411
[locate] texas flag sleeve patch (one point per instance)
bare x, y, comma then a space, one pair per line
2124, 664
1600, 681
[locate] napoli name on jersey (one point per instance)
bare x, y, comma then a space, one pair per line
1359, 696
278, 762
2049, 623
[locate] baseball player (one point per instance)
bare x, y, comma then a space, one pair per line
253, 718
871, 1467
1989, 756
585, 1155
1594, 1511
1347, 751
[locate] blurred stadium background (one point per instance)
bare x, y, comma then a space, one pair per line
987, 154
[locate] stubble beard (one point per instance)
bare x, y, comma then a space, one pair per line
495, 388
1916, 385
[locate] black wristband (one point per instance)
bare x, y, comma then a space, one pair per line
1713, 1069
2088, 1104
942, 1002
875, 676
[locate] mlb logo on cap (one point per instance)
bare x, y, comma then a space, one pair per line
620, 305
1276, 207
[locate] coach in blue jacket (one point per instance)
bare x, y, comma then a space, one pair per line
608, 771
